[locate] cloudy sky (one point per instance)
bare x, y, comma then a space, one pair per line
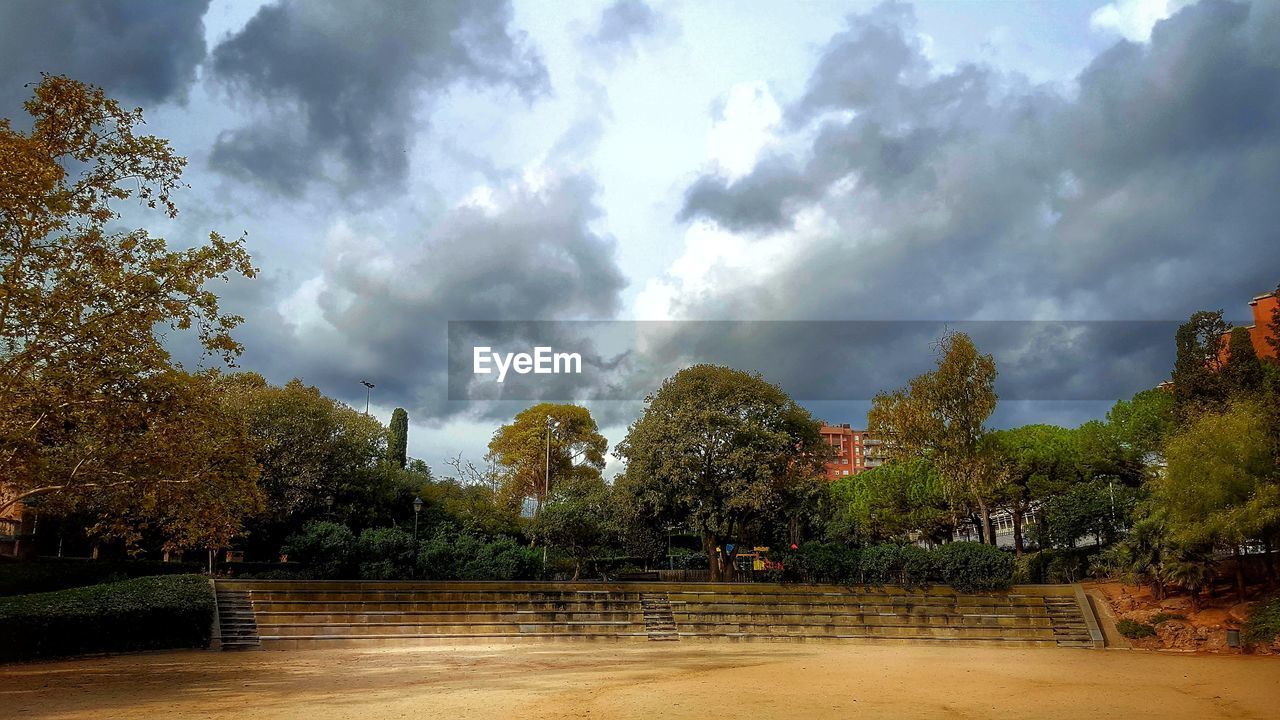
401, 165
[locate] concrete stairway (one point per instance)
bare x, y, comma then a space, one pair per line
1069, 627
658, 620
868, 615
293, 614
236, 624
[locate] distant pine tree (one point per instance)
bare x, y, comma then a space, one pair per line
398, 438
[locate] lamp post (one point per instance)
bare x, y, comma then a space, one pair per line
368, 388
417, 508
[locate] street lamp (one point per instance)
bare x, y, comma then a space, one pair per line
368, 388
417, 508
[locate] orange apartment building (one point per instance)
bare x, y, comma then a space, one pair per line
855, 450
1263, 306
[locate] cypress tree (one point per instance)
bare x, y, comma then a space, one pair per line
1243, 371
398, 438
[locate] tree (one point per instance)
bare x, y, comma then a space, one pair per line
566, 435
1243, 371
398, 438
900, 500
719, 451
576, 519
1034, 461
1131, 441
86, 384
312, 449
1221, 487
1197, 368
941, 415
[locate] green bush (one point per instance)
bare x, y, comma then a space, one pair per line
459, 555
33, 576
879, 565
328, 549
1263, 625
149, 613
972, 566
1135, 630
1166, 617
385, 554
919, 566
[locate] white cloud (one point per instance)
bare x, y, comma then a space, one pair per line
1133, 19
744, 128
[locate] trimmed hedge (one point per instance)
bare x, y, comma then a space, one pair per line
150, 613
966, 566
34, 576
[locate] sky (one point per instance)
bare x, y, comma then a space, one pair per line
833, 183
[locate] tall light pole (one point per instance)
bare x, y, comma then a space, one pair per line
417, 508
368, 388
546, 482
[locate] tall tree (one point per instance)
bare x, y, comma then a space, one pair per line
1243, 370
85, 381
542, 446
720, 451
1197, 369
900, 500
398, 438
1033, 461
942, 415
319, 457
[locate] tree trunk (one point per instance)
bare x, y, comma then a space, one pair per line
1235, 551
1157, 590
977, 525
710, 547
1017, 532
987, 531
577, 570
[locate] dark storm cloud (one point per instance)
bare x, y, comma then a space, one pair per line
341, 83
970, 193
140, 51
386, 308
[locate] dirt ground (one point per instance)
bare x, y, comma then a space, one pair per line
668, 680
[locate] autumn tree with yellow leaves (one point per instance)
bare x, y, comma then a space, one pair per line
95, 415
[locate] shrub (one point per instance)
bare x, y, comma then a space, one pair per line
459, 555
1166, 617
149, 613
826, 562
971, 566
1263, 625
919, 566
327, 548
34, 576
385, 554
879, 564
1135, 630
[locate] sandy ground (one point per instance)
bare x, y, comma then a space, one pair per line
668, 680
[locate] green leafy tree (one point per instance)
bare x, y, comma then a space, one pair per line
1221, 487
1033, 462
718, 451
900, 500
1197, 370
577, 520
319, 459
566, 435
398, 438
942, 415
1243, 371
